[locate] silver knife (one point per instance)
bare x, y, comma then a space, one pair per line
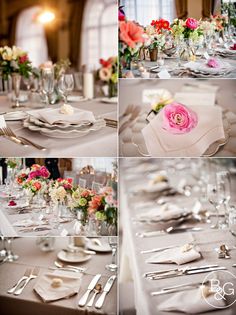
159, 272
186, 272
91, 286
106, 289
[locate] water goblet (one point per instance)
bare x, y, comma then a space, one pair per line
47, 83
66, 85
112, 240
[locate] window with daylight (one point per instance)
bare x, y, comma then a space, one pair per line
101, 164
145, 11
99, 31
30, 36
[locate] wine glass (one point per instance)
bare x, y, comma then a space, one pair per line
113, 244
224, 193
213, 199
10, 255
47, 83
28, 82
66, 85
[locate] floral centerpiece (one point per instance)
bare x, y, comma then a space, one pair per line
80, 200
104, 207
131, 39
207, 28
108, 73
190, 32
61, 190
14, 60
219, 21
155, 34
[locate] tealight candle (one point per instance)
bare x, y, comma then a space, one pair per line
145, 74
141, 69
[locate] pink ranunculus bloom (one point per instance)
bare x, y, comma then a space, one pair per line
233, 47
178, 119
191, 23
131, 33
213, 63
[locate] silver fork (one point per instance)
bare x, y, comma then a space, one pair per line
26, 275
5, 134
25, 141
34, 274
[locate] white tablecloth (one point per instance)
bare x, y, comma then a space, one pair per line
133, 262
100, 143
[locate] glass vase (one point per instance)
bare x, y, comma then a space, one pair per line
187, 51
16, 80
112, 89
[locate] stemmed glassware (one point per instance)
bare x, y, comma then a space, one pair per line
212, 196
113, 243
7, 250
66, 85
47, 83
28, 82
224, 193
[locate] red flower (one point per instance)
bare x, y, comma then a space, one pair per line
106, 63
161, 24
37, 185
23, 59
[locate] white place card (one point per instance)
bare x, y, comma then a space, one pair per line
199, 87
2, 121
164, 74
150, 95
206, 56
193, 99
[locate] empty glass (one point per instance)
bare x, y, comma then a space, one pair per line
232, 220
224, 193
213, 199
113, 243
66, 85
47, 83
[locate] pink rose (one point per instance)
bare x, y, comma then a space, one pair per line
233, 47
178, 119
213, 63
44, 172
23, 59
191, 23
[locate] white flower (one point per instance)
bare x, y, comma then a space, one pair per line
58, 194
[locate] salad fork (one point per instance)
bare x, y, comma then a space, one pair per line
34, 274
26, 275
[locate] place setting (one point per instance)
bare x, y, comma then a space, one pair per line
154, 132
73, 280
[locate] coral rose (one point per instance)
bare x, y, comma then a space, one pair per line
131, 33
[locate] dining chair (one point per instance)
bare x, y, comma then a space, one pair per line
97, 187
82, 182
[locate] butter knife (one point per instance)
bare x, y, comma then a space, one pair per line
106, 289
91, 286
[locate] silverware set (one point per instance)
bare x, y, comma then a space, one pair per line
111, 123
170, 273
66, 267
96, 288
8, 133
169, 230
29, 275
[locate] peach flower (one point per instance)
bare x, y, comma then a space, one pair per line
131, 33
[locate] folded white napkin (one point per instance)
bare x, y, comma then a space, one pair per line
190, 302
202, 66
158, 187
174, 255
161, 143
70, 286
54, 116
158, 213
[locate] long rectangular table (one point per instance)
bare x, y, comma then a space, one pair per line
29, 302
133, 263
100, 143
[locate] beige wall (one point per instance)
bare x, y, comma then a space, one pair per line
195, 8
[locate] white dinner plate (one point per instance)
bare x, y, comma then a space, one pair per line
13, 116
76, 98
77, 257
109, 100
103, 248
65, 134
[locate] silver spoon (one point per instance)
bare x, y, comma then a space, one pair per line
96, 290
